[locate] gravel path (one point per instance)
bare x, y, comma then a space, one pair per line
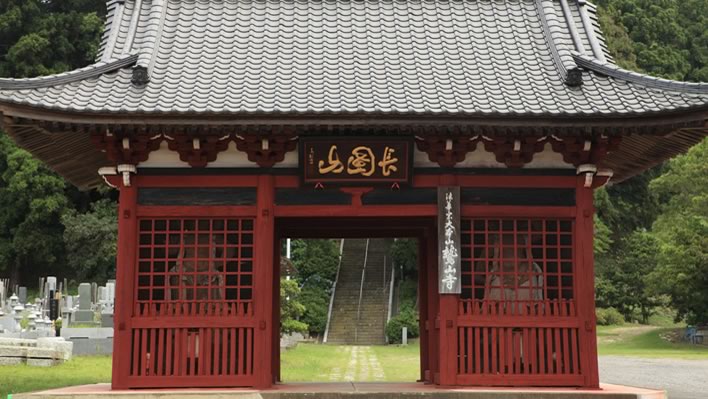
682, 379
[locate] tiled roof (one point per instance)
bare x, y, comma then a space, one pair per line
410, 57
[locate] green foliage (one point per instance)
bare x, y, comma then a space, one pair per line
41, 37
316, 261
90, 240
623, 281
408, 294
290, 308
608, 317
316, 302
682, 233
667, 38
406, 318
404, 252
31, 203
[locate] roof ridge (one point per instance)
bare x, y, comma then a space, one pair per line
562, 57
76, 75
615, 71
114, 15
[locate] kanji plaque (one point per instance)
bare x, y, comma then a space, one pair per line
449, 264
356, 160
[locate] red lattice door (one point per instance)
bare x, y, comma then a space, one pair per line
517, 318
192, 322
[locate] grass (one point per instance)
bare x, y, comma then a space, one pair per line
316, 363
310, 362
79, 370
645, 341
400, 363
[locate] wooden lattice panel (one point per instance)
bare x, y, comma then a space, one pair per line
194, 267
517, 267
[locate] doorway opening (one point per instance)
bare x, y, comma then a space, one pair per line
346, 302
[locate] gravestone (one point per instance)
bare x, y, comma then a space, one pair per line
22, 295
2, 296
84, 314
111, 287
51, 284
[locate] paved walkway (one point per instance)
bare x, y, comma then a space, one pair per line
363, 366
682, 379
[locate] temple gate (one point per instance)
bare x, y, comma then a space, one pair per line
479, 127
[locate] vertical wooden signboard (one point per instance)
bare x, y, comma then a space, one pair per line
449, 264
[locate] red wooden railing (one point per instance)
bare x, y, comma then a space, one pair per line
517, 321
193, 318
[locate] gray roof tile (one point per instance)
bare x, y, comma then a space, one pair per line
467, 57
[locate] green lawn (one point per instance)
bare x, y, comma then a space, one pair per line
332, 363
645, 341
400, 363
79, 371
309, 362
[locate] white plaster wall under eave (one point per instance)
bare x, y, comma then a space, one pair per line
231, 158
480, 158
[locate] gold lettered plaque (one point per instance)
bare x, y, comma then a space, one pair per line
355, 160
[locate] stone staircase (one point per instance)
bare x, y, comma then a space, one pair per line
351, 324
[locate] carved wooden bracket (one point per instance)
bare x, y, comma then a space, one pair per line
514, 152
126, 148
198, 150
580, 150
447, 151
264, 150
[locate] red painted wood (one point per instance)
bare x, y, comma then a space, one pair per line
203, 211
585, 284
423, 312
497, 181
125, 264
195, 181
318, 211
433, 304
263, 265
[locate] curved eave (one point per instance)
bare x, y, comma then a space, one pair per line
695, 115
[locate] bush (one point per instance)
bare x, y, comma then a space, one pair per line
407, 318
316, 301
608, 316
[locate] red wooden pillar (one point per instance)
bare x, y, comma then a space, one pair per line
423, 314
276, 312
585, 283
433, 321
447, 316
263, 290
125, 276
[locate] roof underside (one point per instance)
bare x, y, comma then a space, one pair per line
406, 58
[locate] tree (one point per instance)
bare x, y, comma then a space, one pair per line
32, 201
667, 38
90, 240
41, 37
682, 232
290, 308
624, 282
316, 262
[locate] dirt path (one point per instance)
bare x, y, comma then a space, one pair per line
363, 365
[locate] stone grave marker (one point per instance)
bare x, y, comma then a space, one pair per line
22, 295
84, 314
